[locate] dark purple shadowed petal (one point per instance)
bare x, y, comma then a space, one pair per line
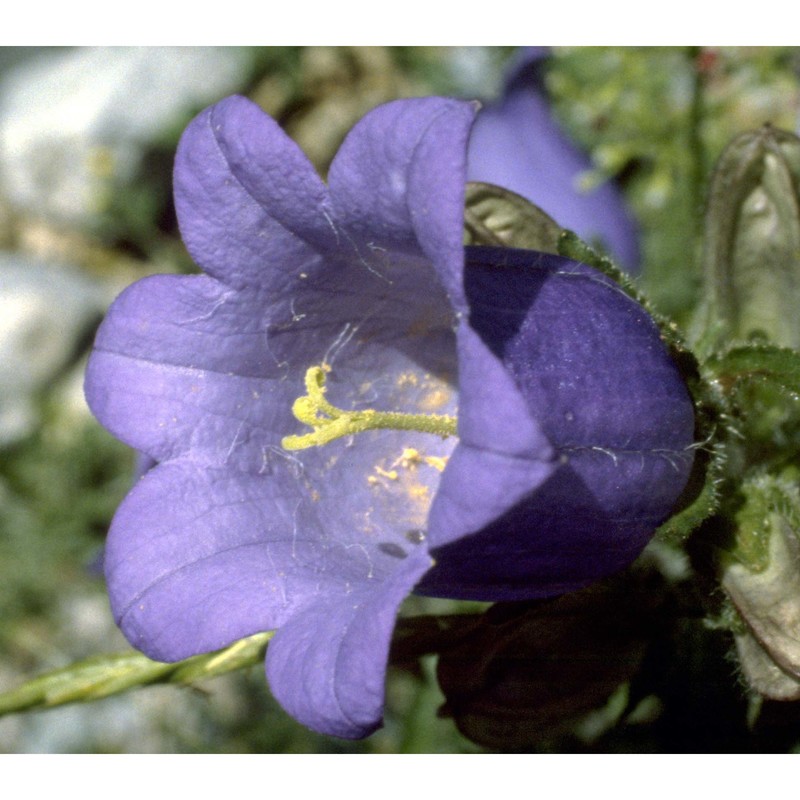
502, 453
518, 144
590, 364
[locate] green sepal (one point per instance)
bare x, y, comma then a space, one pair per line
497, 217
699, 500
570, 245
759, 385
767, 503
105, 675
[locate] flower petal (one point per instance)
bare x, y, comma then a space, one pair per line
600, 385
191, 367
502, 453
397, 183
249, 202
197, 558
182, 365
327, 666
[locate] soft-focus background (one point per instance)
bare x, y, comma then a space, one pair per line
87, 138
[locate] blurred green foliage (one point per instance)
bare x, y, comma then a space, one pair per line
58, 494
658, 118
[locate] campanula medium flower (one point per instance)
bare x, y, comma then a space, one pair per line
573, 423
517, 143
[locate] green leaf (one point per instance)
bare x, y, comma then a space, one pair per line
106, 675
760, 363
501, 218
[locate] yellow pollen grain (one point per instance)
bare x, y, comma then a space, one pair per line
437, 462
390, 474
407, 379
434, 399
411, 458
418, 492
408, 458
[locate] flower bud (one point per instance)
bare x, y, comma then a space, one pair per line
531, 672
752, 241
762, 579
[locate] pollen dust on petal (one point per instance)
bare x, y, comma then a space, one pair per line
431, 394
402, 484
411, 458
435, 395
407, 379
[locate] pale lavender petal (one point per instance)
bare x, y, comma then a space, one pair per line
397, 184
179, 367
327, 668
250, 205
197, 558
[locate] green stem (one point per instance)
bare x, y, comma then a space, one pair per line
106, 675
696, 146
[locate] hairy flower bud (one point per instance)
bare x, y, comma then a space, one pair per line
752, 241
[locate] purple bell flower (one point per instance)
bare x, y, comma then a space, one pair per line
574, 426
518, 144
